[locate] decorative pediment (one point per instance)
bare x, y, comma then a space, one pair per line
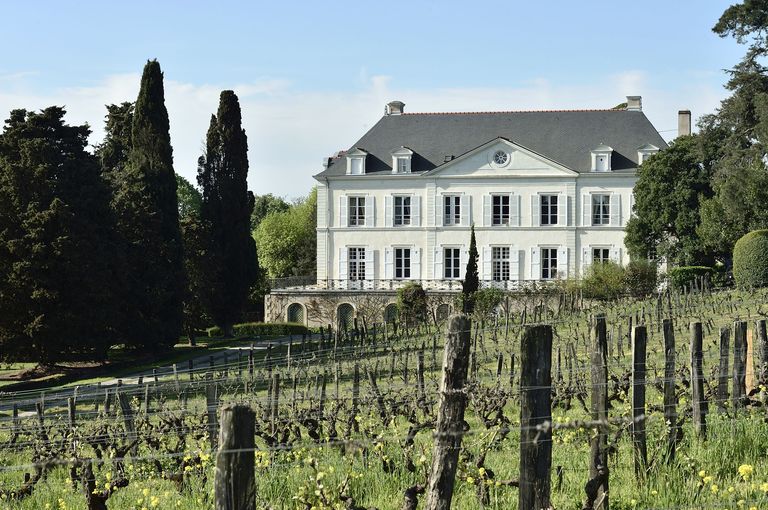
356, 161
498, 158
645, 151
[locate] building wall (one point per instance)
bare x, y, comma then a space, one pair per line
527, 175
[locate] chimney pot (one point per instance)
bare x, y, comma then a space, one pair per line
684, 123
635, 103
394, 108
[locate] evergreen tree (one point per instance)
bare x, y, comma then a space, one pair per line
55, 242
146, 205
226, 208
471, 282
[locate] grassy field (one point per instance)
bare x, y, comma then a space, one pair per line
318, 453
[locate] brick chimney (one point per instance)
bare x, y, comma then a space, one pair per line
394, 108
684, 123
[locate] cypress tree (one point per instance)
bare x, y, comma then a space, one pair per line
146, 205
55, 242
471, 282
226, 209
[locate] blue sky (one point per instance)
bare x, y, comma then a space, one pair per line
313, 76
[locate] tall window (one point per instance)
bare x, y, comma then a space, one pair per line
500, 209
548, 263
356, 211
356, 264
452, 210
601, 209
549, 209
500, 263
600, 255
402, 263
451, 263
402, 211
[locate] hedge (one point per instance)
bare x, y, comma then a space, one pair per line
683, 276
750, 260
263, 329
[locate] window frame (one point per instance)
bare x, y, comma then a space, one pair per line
356, 212
600, 218
548, 260
402, 255
501, 197
501, 263
451, 210
455, 260
552, 210
404, 220
356, 263
604, 254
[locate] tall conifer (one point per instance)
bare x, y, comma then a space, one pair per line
147, 207
471, 282
226, 208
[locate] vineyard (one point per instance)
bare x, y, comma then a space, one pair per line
658, 403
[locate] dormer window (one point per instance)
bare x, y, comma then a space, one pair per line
645, 152
356, 161
401, 160
601, 158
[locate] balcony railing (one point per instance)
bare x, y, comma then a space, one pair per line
311, 283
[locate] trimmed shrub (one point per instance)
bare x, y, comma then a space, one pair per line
263, 329
750, 260
641, 277
412, 302
684, 276
604, 280
486, 302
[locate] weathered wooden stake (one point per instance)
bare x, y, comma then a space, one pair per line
762, 352
235, 480
700, 407
639, 338
739, 363
535, 417
670, 400
211, 406
597, 497
450, 418
721, 392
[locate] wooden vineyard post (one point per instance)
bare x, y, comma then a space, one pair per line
274, 412
739, 363
722, 372
597, 498
639, 339
356, 391
697, 382
535, 417
762, 352
422, 395
450, 418
127, 412
235, 482
670, 400
211, 405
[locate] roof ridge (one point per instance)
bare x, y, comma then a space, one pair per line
518, 111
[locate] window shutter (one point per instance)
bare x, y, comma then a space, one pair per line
615, 207
370, 211
514, 210
439, 205
616, 254
486, 271
535, 263
388, 264
438, 264
370, 264
487, 211
562, 210
464, 259
388, 207
466, 210
562, 262
343, 263
343, 205
535, 210
416, 211
586, 211
586, 260
514, 264
415, 264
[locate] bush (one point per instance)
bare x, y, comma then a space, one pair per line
603, 280
412, 302
486, 302
641, 277
263, 329
750, 260
683, 276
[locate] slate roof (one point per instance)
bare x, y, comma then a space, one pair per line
566, 137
